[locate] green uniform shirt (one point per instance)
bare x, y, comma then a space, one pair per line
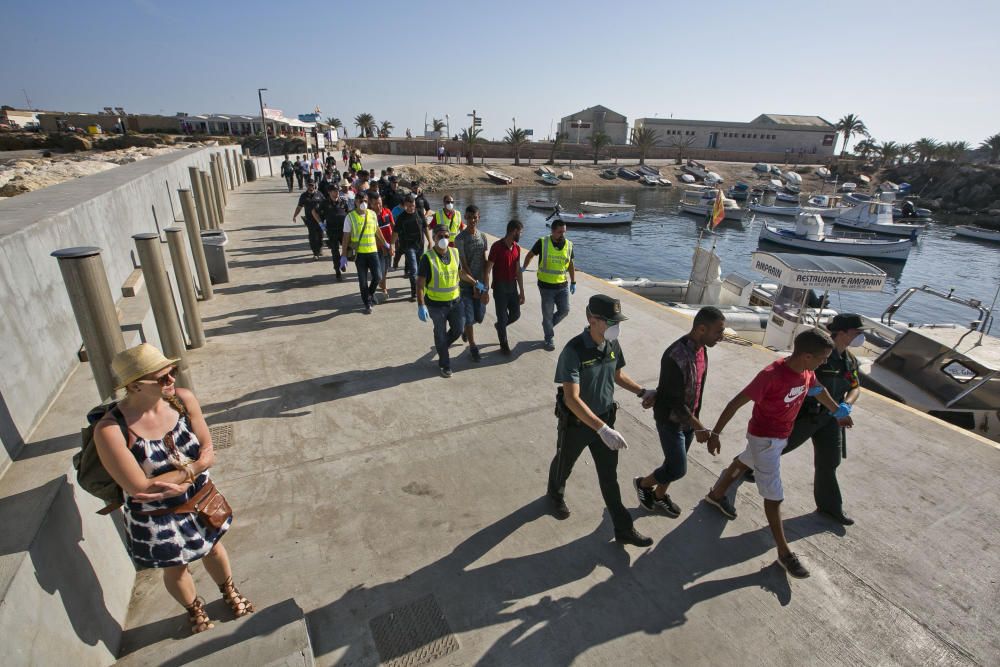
839, 374
582, 362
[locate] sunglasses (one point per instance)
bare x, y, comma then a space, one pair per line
164, 380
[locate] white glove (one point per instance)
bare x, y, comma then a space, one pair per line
612, 438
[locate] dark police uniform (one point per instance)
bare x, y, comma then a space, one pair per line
839, 375
593, 368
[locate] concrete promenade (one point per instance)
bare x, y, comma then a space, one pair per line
363, 482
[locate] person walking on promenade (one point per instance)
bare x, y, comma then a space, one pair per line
503, 273
345, 155
423, 206
409, 236
438, 295
589, 367
288, 172
297, 168
317, 168
556, 278
310, 201
471, 245
334, 212
777, 393
393, 197
305, 168
355, 164
361, 232
156, 446
329, 183
385, 225
450, 218
676, 405
839, 374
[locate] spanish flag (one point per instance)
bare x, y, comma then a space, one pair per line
718, 209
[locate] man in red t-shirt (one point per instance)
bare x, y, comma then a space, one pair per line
777, 393
503, 271
386, 225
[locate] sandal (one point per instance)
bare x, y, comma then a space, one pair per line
231, 595
197, 617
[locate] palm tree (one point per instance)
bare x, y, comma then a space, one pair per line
598, 140
469, 138
992, 144
365, 122
438, 124
908, 152
926, 148
888, 152
866, 148
557, 143
334, 122
850, 125
645, 138
680, 143
385, 129
954, 150
517, 138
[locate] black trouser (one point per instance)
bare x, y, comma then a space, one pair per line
507, 301
333, 243
827, 437
572, 440
298, 175
315, 234
288, 179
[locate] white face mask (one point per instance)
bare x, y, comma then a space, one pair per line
443, 244
363, 206
611, 333
449, 207
857, 341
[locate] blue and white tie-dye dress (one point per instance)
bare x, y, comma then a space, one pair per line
168, 539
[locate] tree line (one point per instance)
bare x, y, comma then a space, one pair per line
922, 150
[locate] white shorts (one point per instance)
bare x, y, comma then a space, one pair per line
763, 455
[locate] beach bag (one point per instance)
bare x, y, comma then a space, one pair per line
90, 473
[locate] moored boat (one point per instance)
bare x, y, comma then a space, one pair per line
739, 192
664, 182
657, 290
788, 197
712, 179
581, 219
765, 209
974, 232
541, 171
876, 216
687, 178
646, 170
566, 175
604, 207
699, 201
649, 180
696, 169
498, 177
809, 235
550, 179
543, 204
628, 174
609, 174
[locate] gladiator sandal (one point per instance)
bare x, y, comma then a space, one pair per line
231, 595
197, 616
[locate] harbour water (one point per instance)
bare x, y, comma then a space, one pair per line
659, 244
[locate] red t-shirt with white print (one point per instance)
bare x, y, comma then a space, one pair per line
777, 393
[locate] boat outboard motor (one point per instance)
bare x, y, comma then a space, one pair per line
769, 198
909, 210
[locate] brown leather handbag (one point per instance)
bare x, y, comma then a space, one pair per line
208, 504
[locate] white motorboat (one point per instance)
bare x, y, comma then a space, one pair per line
852, 198
543, 204
973, 232
712, 179
550, 179
787, 196
656, 290
827, 206
604, 207
786, 211
700, 201
762, 168
792, 178
596, 219
823, 173
809, 235
776, 183
867, 181
566, 175
665, 182
848, 187
541, 171
687, 178
876, 216
649, 180
499, 177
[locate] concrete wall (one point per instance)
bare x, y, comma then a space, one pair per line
743, 137
40, 335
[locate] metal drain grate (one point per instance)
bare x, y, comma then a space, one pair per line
414, 634
222, 435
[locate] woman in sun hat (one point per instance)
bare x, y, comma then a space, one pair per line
162, 465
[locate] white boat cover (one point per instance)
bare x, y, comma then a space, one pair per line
819, 272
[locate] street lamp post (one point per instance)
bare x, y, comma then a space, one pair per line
263, 126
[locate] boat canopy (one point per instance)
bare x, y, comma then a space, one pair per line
819, 272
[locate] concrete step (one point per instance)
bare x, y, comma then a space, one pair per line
275, 636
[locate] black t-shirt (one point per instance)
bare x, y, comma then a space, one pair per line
536, 250
422, 203
309, 201
410, 227
333, 213
392, 198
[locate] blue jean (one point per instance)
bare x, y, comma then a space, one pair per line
448, 322
508, 306
675, 442
473, 308
410, 268
556, 300
365, 263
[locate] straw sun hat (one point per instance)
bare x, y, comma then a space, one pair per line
133, 363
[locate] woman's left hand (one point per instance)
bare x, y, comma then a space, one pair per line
161, 491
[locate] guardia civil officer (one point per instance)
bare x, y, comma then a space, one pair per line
840, 377
556, 278
588, 369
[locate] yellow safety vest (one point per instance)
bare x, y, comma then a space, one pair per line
362, 234
443, 285
455, 226
553, 264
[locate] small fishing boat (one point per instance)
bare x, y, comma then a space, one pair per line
864, 180
701, 200
498, 177
550, 179
595, 219
656, 290
876, 216
739, 192
848, 187
696, 169
628, 174
712, 179
852, 198
974, 232
793, 188
541, 171
823, 173
787, 196
604, 207
649, 180
765, 209
609, 174
646, 170
827, 206
809, 235
566, 175
776, 183
687, 178
762, 168
543, 204
664, 182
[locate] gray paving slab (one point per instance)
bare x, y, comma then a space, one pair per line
363, 482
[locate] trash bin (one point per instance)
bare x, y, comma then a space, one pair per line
214, 242
251, 170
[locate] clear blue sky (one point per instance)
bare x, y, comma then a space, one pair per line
908, 69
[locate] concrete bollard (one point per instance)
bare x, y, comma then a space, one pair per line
236, 167
185, 285
220, 176
162, 301
210, 201
90, 295
204, 219
229, 170
197, 250
215, 178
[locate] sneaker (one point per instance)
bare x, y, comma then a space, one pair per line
645, 495
724, 504
667, 506
446, 372
839, 517
550, 346
793, 566
749, 476
635, 538
413, 298
367, 310
474, 353
505, 348
559, 508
